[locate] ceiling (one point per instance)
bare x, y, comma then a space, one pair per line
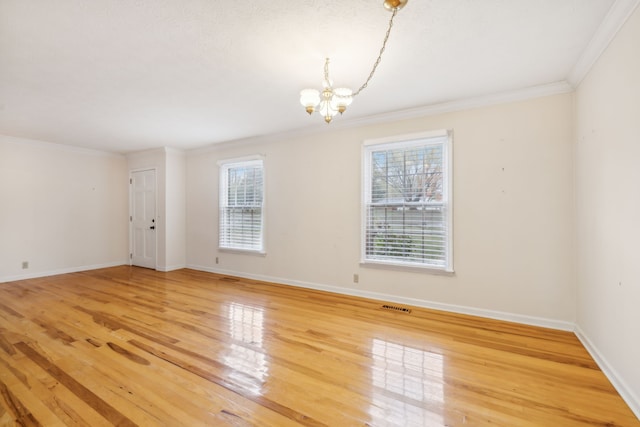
125, 76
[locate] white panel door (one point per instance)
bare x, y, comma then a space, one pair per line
143, 218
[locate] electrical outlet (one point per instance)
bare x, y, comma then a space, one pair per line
356, 278
25, 265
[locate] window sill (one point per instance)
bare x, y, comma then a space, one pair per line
409, 268
242, 252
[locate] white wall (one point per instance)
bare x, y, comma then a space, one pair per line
170, 166
62, 209
513, 213
608, 210
176, 210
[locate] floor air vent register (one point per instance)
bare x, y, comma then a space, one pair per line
396, 308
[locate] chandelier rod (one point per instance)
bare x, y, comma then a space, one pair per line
375, 64
332, 101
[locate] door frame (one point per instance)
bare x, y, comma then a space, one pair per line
131, 172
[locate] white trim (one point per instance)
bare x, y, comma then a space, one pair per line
449, 187
517, 95
443, 137
170, 268
244, 159
490, 314
171, 150
609, 27
416, 268
618, 382
257, 159
392, 140
61, 271
142, 169
261, 253
162, 150
399, 266
155, 197
55, 146
468, 103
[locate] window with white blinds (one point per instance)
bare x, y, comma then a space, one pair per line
241, 205
407, 211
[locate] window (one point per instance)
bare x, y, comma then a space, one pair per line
241, 205
406, 201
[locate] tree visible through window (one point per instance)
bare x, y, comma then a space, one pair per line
406, 198
241, 205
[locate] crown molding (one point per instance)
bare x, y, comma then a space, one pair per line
176, 151
464, 104
57, 146
155, 151
412, 113
612, 23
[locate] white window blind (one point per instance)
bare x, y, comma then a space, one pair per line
241, 205
407, 210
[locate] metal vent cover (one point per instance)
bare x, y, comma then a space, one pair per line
396, 308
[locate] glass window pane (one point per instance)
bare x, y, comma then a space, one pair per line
406, 217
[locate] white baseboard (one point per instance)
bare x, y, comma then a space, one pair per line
618, 383
498, 315
171, 268
61, 271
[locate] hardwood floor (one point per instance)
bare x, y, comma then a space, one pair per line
129, 346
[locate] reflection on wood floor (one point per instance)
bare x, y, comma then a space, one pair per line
128, 346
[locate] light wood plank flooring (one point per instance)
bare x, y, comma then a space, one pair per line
129, 346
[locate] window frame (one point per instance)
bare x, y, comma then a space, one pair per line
405, 141
223, 191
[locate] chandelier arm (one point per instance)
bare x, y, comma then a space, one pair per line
375, 65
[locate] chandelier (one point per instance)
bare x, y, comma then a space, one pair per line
330, 101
